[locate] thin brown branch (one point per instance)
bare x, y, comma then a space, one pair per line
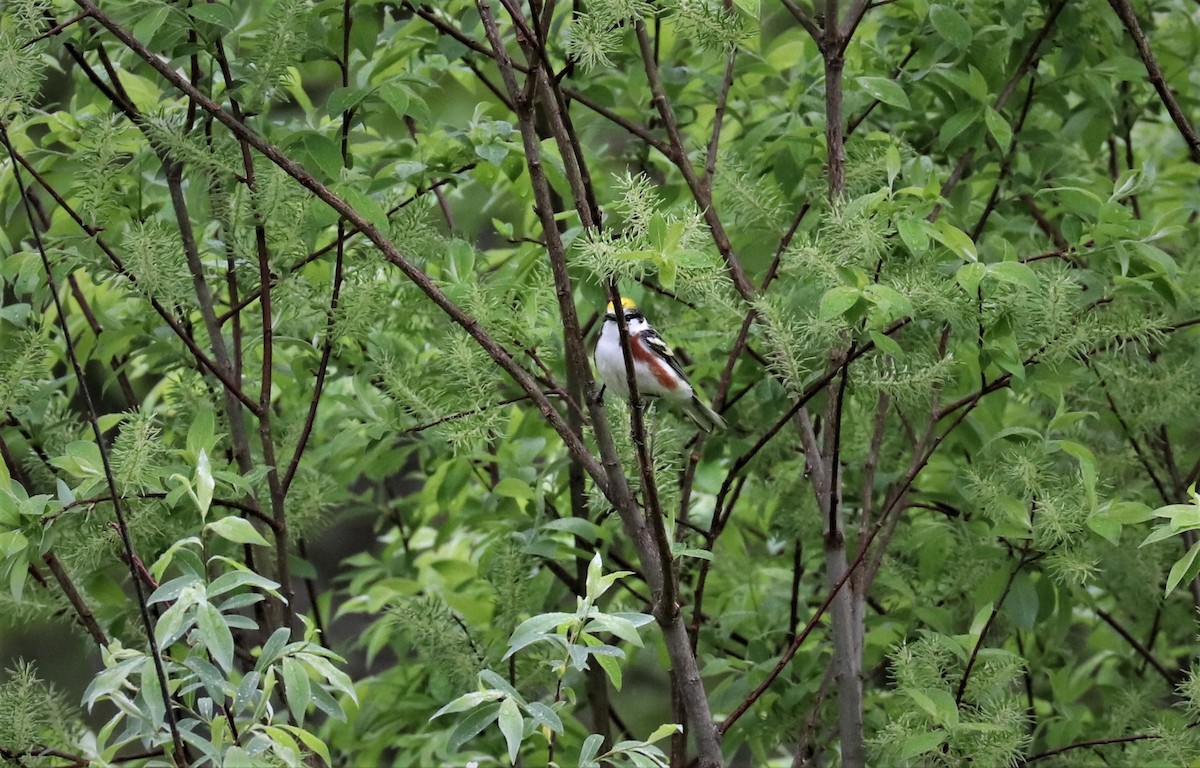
1088, 744
345, 237
997, 604
804, 17
338, 269
714, 142
680, 157
854, 16
388, 249
1137, 646
94, 419
82, 611
56, 29
202, 359
904, 484
1032, 53
1125, 12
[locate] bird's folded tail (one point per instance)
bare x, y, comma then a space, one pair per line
706, 418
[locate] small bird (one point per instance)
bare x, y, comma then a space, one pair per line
658, 373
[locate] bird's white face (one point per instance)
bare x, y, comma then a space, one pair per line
634, 322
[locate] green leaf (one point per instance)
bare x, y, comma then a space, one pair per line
893, 164
545, 716
663, 731
977, 86
890, 301
887, 91
605, 622
612, 668
174, 622
969, 276
109, 420
1130, 512
204, 484
1105, 527
576, 526
1160, 533
396, 95
310, 740
1182, 568
325, 154
921, 743
1016, 273
471, 726
951, 25
82, 460
150, 22
956, 240
172, 589
748, 7
998, 127
160, 565
913, 233
668, 270
593, 587
512, 725
272, 648
514, 489
956, 124
886, 344
837, 301
234, 579
343, 99
366, 206
591, 748
535, 629
237, 530
200, 434
216, 635
937, 703
468, 701
297, 686
1022, 603
218, 15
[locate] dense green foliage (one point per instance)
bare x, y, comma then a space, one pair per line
271, 269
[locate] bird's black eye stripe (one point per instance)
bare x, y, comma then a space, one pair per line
633, 314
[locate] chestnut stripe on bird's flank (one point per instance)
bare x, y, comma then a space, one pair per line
661, 370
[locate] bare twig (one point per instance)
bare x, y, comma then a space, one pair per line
919, 462
1032, 53
996, 606
1087, 744
1129, 18
338, 266
714, 143
110, 478
804, 16
680, 157
56, 29
82, 611
390, 252
1141, 649
203, 361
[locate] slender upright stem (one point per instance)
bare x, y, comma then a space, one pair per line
180, 753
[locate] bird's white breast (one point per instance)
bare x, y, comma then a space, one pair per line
610, 362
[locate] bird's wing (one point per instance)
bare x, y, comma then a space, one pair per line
663, 350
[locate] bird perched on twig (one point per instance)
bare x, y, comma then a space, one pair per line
657, 372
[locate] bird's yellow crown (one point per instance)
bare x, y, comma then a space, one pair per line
626, 304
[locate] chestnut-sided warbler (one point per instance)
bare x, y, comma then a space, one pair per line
657, 372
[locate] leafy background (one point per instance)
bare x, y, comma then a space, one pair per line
302, 457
